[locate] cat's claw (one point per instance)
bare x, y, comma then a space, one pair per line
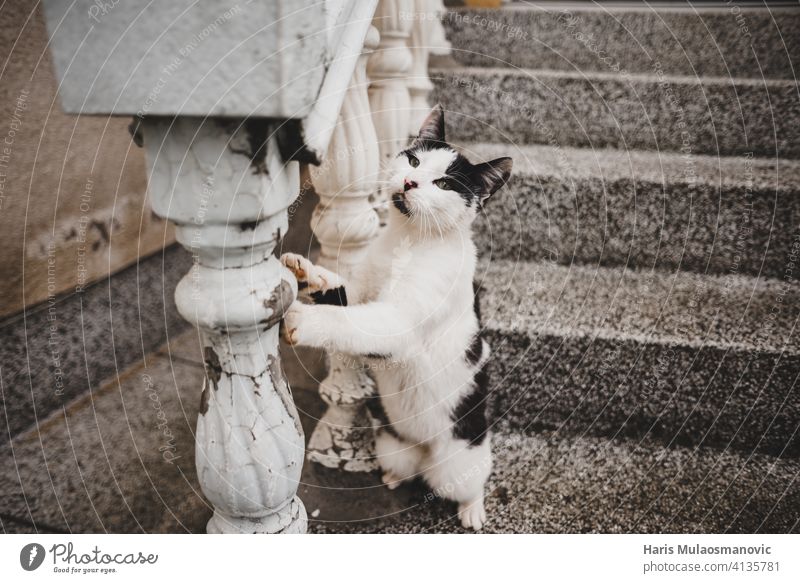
472, 515
291, 323
297, 264
302, 326
305, 271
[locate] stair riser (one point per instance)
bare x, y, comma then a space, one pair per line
645, 113
622, 222
677, 394
711, 43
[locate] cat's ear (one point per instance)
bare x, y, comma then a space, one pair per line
492, 175
433, 127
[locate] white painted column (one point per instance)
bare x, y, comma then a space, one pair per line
438, 43
225, 186
345, 222
419, 83
388, 71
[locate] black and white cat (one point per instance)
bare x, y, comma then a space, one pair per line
411, 303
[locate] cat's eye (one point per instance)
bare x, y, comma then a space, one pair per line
412, 159
443, 183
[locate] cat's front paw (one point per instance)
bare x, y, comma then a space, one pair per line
300, 326
297, 264
292, 322
316, 277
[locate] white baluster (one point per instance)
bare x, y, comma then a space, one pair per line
388, 71
228, 196
419, 84
438, 43
345, 222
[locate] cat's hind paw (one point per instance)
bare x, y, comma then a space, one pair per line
391, 480
472, 514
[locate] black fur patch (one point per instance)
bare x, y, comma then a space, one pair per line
474, 183
461, 176
375, 407
475, 350
469, 417
378, 355
476, 301
399, 202
332, 297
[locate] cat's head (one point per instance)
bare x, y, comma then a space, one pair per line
437, 188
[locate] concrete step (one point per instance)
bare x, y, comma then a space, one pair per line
98, 466
681, 358
710, 115
723, 40
58, 350
552, 483
643, 209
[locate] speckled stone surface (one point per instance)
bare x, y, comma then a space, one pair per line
710, 115
643, 209
551, 483
13, 526
683, 358
100, 466
99, 469
112, 325
686, 41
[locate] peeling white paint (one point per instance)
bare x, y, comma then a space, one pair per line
249, 442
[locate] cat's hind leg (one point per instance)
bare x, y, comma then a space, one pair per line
458, 470
400, 460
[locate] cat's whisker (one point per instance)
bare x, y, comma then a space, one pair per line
438, 224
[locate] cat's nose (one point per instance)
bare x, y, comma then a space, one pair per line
408, 184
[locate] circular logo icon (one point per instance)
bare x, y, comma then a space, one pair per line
31, 556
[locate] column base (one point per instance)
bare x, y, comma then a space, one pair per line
344, 440
291, 519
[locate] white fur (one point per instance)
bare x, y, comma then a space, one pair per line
412, 299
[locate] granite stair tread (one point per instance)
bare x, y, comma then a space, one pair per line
705, 115
644, 165
542, 72
643, 209
98, 466
722, 40
682, 358
734, 312
551, 483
